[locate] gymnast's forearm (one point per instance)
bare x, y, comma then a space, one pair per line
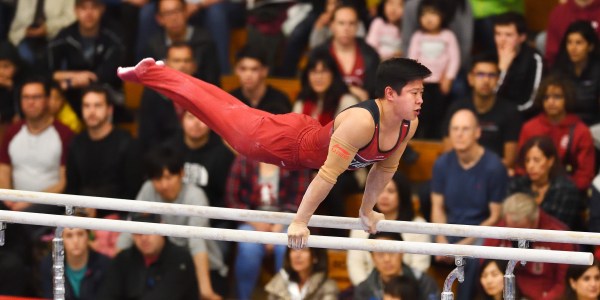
376, 182
318, 189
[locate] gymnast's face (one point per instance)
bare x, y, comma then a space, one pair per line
407, 104
251, 72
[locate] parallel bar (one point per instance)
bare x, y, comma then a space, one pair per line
245, 215
533, 255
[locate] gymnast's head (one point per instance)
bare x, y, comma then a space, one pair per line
396, 73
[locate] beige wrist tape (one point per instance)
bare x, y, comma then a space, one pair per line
340, 155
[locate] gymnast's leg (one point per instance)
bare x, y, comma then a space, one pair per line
233, 120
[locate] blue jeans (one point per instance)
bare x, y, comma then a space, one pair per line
249, 261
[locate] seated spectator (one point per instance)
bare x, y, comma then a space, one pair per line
467, 187
85, 269
34, 150
252, 71
460, 22
484, 13
437, 48
594, 221
583, 282
395, 202
384, 33
398, 288
35, 23
562, 16
164, 167
153, 268
491, 280
356, 60
261, 186
172, 19
160, 118
535, 280
321, 30
103, 161
62, 110
85, 52
579, 60
500, 121
11, 78
546, 180
303, 276
571, 137
324, 94
390, 265
520, 65
103, 241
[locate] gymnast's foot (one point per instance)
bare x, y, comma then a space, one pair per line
133, 74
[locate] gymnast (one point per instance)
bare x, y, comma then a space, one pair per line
374, 132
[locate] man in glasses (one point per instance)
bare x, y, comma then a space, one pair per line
499, 119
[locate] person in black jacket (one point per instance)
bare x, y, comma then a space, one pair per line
85, 52
152, 269
172, 18
85, 269
387, 267
520, 65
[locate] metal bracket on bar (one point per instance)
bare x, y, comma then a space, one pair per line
457, 273
69, 210
510, 287
2, 233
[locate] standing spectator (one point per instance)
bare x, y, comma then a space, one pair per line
389, 266
579, 60
172, 18
11, 78
252, 71
304, 274
261, 186
85, 269
499, 120
35, 23
152, 268
34, 151
583, 282
103, 161
395, 202
164, 167
85, 52
571, 137
467, 187
59, 107
554, 192
520, 65
436, 47
536, 280
384, 34
562, 16
356, 60
160, 117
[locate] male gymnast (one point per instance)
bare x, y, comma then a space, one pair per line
374, 132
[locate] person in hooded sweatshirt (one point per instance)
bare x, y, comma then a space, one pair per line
570, 135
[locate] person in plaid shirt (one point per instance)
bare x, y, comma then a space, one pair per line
260, 186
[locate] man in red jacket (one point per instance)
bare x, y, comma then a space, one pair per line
537, 281
562, 16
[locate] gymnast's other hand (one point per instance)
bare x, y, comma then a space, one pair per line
298, 235
369, 220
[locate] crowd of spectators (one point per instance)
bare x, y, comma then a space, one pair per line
516, 111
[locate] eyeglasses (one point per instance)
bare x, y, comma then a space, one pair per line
484, 74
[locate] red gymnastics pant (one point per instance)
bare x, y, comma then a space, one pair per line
291, 141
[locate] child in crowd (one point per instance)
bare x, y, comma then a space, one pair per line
384, 34
437, 48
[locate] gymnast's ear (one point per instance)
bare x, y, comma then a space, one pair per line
389, 93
